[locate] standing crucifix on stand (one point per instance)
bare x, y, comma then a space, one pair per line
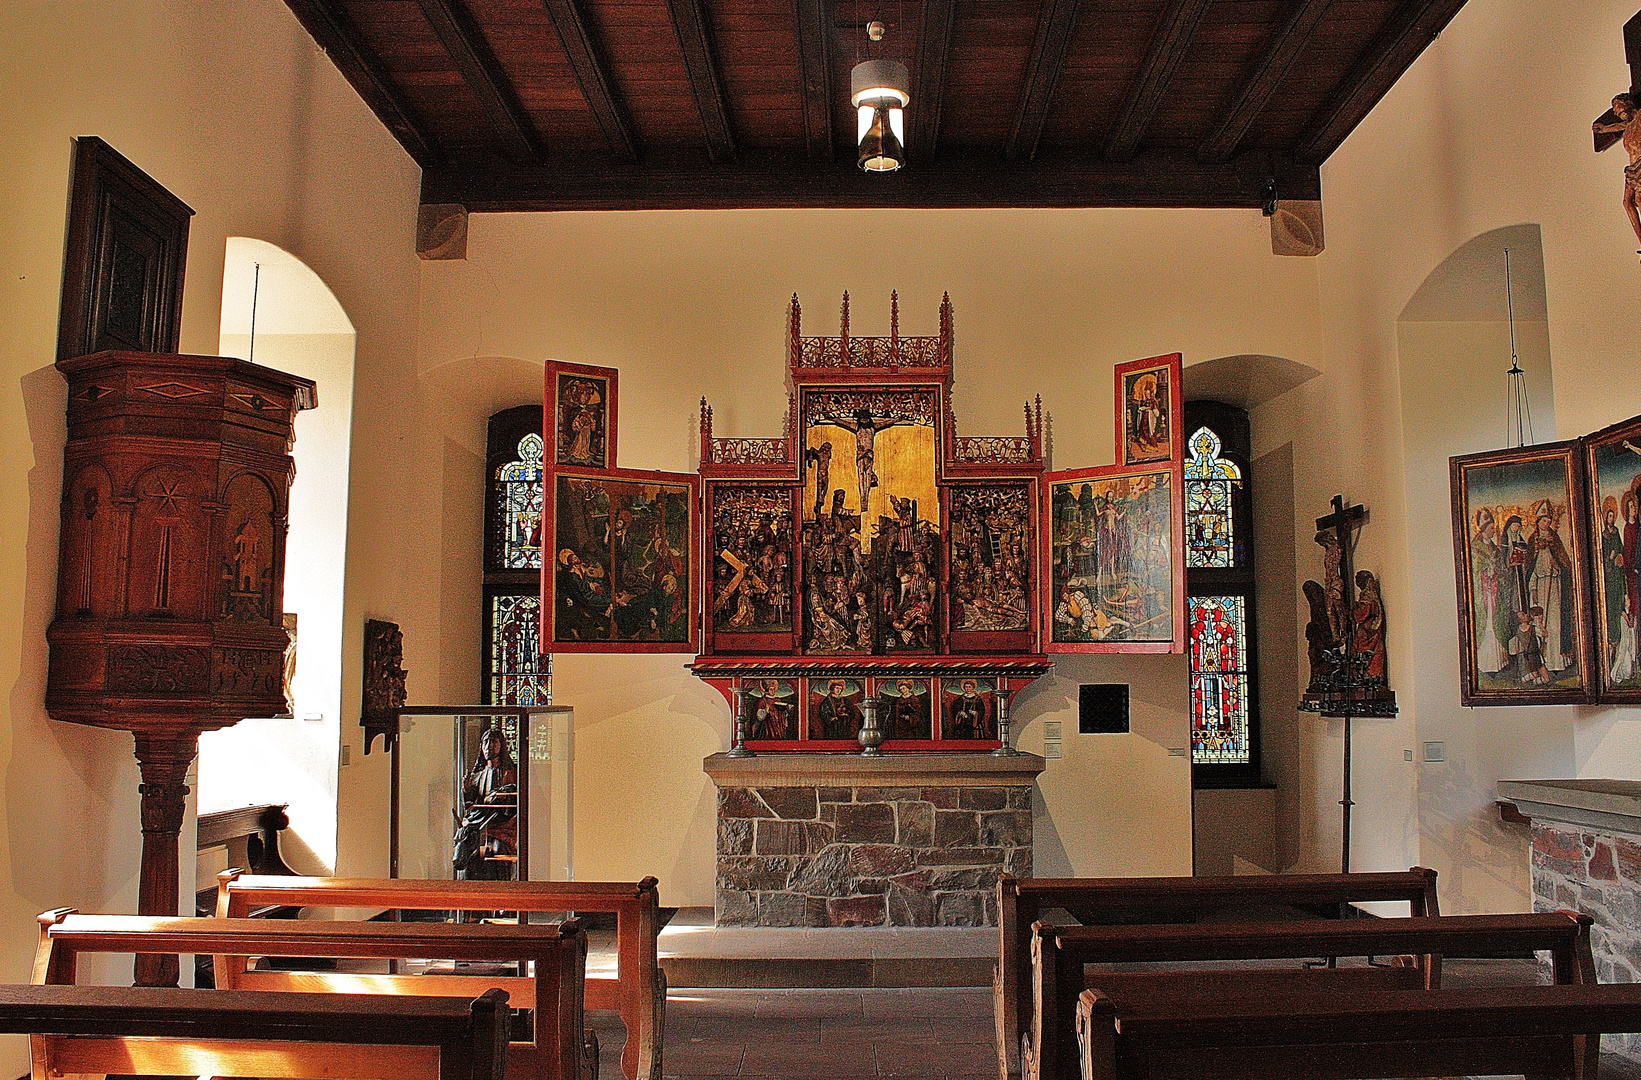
1346, 637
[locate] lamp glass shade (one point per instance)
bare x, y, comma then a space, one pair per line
880, 147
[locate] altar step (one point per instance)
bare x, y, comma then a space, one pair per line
696, 953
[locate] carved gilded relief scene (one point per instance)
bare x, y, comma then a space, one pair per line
751, 586
991, 557
871, 520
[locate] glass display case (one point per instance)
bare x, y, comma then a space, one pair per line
482, 792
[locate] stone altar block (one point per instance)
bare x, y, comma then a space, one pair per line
844, 840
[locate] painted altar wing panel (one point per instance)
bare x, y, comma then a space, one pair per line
580, 414
1149, 410
623, 576
990, 549
751, 560
1114, 560
1612, 459
1521, 555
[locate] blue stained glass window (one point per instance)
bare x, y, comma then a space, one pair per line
518, 495
519, 674
1209, 481
1219, 679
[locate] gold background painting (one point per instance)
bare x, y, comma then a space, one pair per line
903, 458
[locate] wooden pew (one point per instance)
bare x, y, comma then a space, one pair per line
146, 1031
556, 1050
1539, 1031
1060, 953
1020, 903
638, 993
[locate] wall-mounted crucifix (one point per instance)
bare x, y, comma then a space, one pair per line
1623, 122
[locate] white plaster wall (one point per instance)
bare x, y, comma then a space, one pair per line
687, 304
1490, 128
230, 105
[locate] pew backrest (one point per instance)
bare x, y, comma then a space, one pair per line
165, 1031
1060, 953
638, 992
1544, 1031
556, 955
1146, 900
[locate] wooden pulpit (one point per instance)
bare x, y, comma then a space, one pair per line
170, 577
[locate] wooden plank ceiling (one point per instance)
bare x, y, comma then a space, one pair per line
625, 104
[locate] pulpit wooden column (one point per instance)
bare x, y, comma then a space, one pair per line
170, 579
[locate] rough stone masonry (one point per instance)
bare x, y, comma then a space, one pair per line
1598, 874
868, 856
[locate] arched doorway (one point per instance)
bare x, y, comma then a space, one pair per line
299, 327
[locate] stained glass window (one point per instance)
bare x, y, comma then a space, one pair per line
518, 495
515, 672
1209, 523
1219, 680
519, 674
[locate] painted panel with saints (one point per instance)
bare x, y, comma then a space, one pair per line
771, 710
623, 551
835, 712
1114, 573
1613, 457
752, 559
871, 521
1518, 531
968, 709
584, 415
905, 708
990, 575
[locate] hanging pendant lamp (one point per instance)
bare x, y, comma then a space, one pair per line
879, 94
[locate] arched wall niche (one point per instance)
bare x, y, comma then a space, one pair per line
1239, 829
300, 327
1453, 350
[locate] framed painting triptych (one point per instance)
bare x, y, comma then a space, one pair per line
1547, 546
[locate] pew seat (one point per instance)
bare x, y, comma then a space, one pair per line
638, 992
147, 1031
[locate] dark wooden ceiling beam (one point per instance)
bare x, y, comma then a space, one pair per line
689, 22
1170, 43
934, 41
339, 41
1407, 34
815, 69
471, 54
1048, 51
590, 73
666, 180
1267, 74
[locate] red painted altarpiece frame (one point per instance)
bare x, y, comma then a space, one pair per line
1009, 659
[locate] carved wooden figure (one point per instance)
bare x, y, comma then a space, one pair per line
170, 613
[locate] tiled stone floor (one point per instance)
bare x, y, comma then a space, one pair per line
818, 1034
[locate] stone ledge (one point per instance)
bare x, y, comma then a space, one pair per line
890, 770
1613, 805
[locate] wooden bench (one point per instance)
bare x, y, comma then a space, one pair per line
1538, 1031
159, 1032
638, 992
556, 1050
1060, 955
1020, 903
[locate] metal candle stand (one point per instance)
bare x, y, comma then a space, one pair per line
1004, 750
737, 748
871, 736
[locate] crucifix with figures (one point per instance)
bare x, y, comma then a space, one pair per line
1346, 637
1622, 123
